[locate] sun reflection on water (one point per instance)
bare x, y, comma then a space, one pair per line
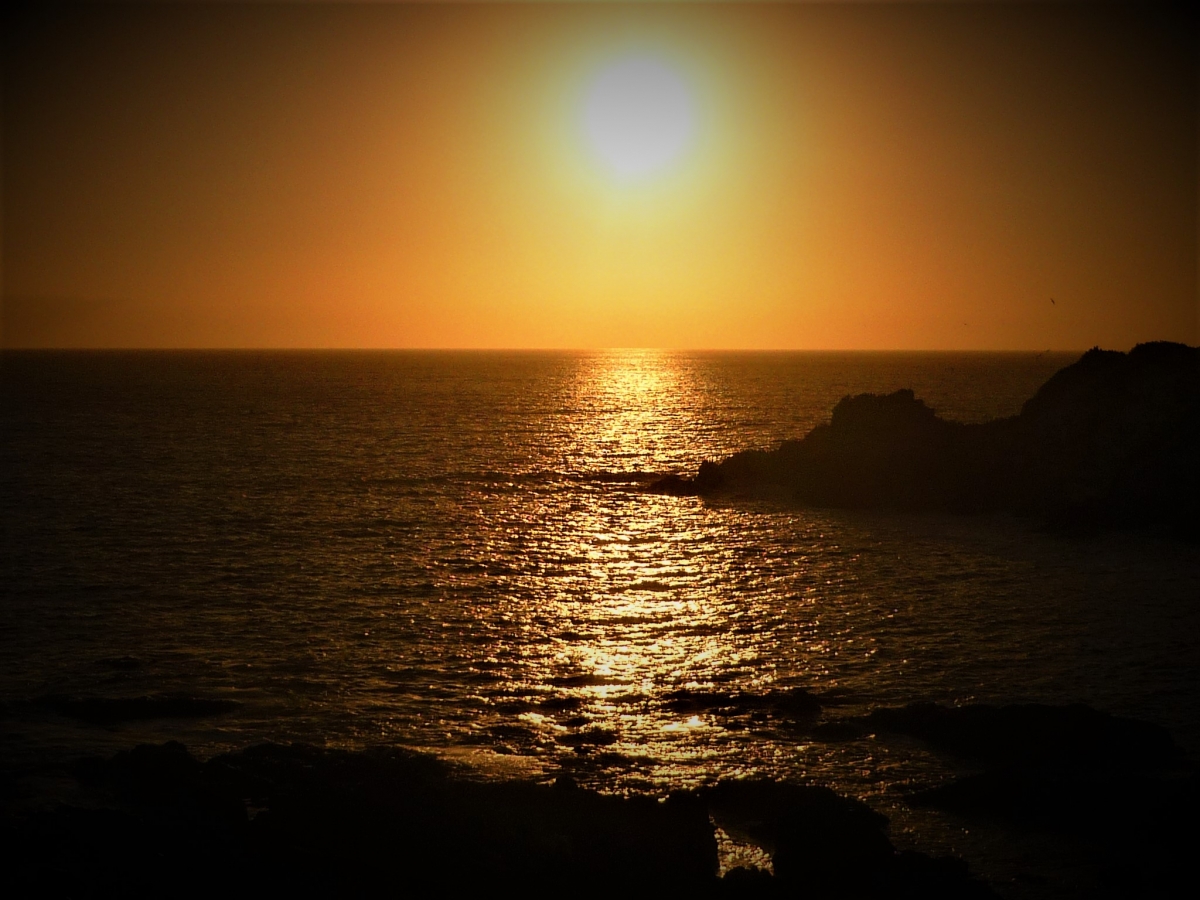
637, 641
636, 606
632, 407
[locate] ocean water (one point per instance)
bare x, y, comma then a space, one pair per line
455, 552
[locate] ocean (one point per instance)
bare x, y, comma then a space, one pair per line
455, 552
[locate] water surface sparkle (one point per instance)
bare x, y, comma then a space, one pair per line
455, 552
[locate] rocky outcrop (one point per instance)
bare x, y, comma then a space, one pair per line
794, 704
826, 845
1120, 788
277, 820
1109, 440
1026, 733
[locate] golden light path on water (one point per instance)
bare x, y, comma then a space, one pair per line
637, 600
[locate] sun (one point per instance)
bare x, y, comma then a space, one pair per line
639, 117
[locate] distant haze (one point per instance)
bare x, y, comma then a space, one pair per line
853, 176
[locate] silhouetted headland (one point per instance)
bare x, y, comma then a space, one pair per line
1109, 441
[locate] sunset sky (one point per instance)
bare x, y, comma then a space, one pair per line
591, 175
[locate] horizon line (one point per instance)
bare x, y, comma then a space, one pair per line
452, 349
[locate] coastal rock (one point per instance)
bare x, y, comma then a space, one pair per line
1031, 733
275, 819
278, 819
1116, 786
1108, 441
792, 704
824, 845
1070, 799
1114, 438
1119, 789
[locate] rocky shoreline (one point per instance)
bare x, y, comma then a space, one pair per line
272, 818
1109, 441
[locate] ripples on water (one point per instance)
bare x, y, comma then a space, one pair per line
454, 551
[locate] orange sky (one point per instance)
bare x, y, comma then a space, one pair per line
874, 177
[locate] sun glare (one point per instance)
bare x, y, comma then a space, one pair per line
639, 117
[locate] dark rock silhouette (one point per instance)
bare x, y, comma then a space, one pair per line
299, 819
1119, 786
1074, 735
274, 820
1110, 440
1065, 798
824, 845
796, 703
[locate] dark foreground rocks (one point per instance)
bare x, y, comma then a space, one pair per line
1027, 733
1119, 788
825, 845
1110, 441
275, 820
272, 819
